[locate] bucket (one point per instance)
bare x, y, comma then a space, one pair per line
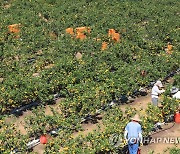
177, 117
43, 139
139, 151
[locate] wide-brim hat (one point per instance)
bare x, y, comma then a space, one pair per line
136, 118
174, 90
159, 83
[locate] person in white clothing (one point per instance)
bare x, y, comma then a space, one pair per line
156, 92
177, 95
175, 92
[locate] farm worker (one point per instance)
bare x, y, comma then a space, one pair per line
133, 134
156, 91
175, 92
177, 95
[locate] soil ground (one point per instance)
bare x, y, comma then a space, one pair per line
163, 146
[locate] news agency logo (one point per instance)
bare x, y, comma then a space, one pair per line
117, 140
165, 140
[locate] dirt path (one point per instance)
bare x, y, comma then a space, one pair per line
139, 103
87, 128
167, 137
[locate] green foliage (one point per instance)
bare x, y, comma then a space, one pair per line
152, 115
174, 151
142, 36
39, 123
39, 62
11, 139
170, 106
